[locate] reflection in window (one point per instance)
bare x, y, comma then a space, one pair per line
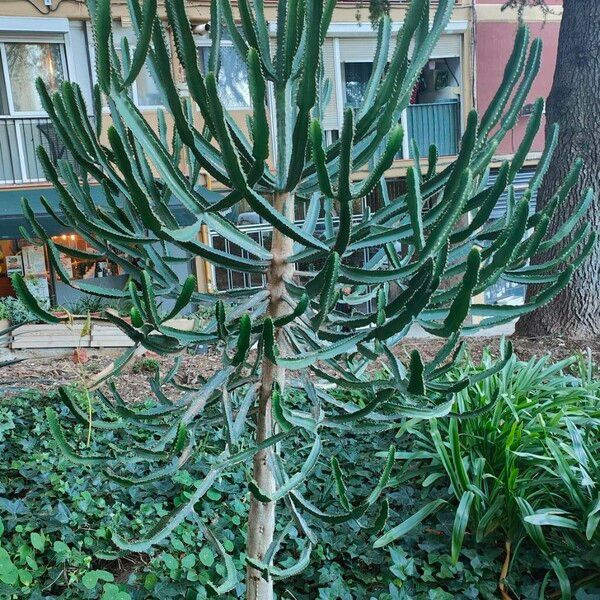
356, 77
234, 91
146, 90
25, 63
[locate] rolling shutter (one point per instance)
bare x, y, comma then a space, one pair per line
363, 49
521, 183
330, 120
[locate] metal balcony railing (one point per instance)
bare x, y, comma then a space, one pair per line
19, 140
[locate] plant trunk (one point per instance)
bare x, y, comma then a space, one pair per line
261, 519
573, 104
504, 572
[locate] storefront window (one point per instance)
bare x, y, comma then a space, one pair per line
83, 268
19, 256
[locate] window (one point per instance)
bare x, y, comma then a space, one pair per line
146, 92
234, 90
83, 268
24, 62
356, 76
3, 92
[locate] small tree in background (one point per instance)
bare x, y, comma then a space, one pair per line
289, 326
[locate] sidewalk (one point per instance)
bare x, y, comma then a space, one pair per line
417, 332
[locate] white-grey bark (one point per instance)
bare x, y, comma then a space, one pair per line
261, 520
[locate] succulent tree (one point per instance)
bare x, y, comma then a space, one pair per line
434, 243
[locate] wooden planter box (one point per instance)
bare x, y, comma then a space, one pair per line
44, 336
35, 336
108, 336
4, 339
101, 335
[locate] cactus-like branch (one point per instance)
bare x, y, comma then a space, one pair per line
430, 251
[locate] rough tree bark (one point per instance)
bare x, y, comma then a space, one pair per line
261, 519
574, 104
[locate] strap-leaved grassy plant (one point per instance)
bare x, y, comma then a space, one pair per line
519, 456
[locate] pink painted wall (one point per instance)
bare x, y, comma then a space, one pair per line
494, 44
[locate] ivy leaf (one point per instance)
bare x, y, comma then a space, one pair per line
206, 556
91, 578
113, 592
61, 549
37, 541
188, 561
25, 577
8, 572
170, 561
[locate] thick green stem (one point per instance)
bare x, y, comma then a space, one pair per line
261, 520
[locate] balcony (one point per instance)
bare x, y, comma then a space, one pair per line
437, 123
431, 123
19, 139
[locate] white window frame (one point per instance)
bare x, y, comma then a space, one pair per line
134, 93
21, 35
62, 41
202, 43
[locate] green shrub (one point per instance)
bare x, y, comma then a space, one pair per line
146, 365
57, 521
15, 311
88, 304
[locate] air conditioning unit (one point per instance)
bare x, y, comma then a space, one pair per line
527, 110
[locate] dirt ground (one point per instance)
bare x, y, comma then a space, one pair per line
45, 373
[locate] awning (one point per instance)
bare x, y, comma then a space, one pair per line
11, 215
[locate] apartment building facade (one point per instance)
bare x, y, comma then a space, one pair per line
494, 30
54, 41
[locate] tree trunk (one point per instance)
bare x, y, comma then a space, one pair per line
573, 104
261, 519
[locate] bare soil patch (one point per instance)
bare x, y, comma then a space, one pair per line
525, 348
44, 374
